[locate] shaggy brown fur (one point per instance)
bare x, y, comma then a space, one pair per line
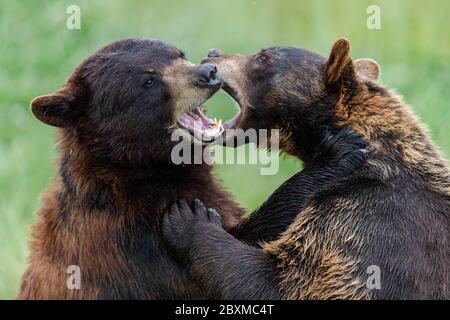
392, 213
115, 178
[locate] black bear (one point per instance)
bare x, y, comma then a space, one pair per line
382, 232
115, 178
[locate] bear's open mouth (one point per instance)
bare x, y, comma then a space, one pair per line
199, 125
205, 129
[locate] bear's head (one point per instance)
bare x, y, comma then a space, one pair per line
293, 90
122, 103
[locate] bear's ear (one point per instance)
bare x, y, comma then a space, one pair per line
368, 68
339, 68
56, 109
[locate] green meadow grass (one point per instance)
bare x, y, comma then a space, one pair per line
37, 53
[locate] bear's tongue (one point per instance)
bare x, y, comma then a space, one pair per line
200, 125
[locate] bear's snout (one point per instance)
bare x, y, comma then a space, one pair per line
214, 53
208, 76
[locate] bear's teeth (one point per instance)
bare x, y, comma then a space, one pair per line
216, 123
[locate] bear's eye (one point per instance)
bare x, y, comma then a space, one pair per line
149, 82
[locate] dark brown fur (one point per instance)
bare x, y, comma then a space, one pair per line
115, 179
393, 213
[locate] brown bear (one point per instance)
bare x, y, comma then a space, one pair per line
98, 234
382, 232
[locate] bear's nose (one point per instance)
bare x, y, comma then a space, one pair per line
207, 75
214, 53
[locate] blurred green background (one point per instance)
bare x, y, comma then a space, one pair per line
38, 52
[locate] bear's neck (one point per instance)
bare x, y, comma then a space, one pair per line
90, 184
310, 129
398, 142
